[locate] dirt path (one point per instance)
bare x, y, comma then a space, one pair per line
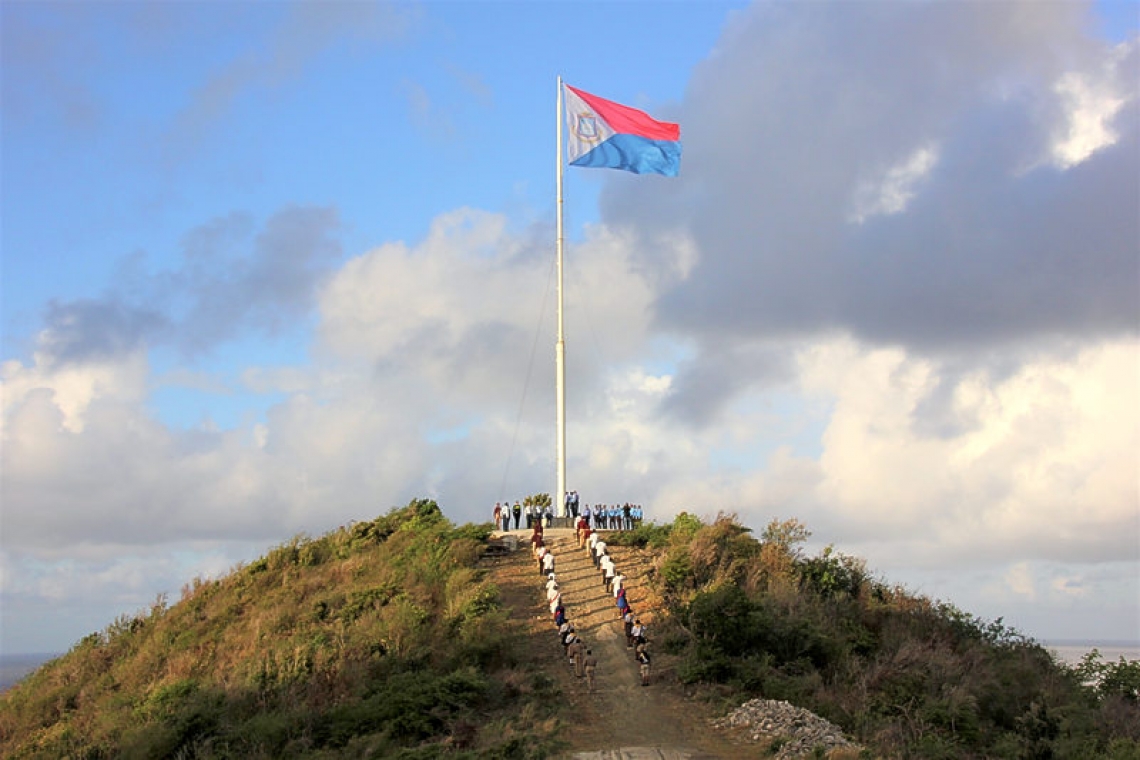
621, 719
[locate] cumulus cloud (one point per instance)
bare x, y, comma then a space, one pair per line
894, 172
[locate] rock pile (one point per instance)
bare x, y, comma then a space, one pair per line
802, 731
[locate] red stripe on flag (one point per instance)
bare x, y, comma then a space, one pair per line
629, 121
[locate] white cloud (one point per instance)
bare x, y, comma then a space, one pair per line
73, 387
892, 191
1091, 101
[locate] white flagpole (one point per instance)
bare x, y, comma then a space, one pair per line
560, 346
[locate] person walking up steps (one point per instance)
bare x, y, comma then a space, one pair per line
643, 663
590, 666
609, 572
577, 654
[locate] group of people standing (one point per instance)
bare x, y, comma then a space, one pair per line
601, 516
534, 514
606, 516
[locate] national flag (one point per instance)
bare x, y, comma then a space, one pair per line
608, 135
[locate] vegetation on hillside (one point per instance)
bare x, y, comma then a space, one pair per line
386, 639
380, 639
904, 675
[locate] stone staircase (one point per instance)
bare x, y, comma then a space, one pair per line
593, 610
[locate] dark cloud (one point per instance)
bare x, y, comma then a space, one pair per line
93, 330
703, 385
227, 282
778, 138
806, 109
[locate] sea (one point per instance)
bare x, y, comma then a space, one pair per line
14, 667
1072, 651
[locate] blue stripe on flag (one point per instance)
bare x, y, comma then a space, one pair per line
639, 155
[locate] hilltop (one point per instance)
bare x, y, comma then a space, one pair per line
402, 637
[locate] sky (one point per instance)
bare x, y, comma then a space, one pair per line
269, 268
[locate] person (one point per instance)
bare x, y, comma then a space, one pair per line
516, 510
590, 665
539, 554
498, 513
627, 516
556, 601
609, 572
586, 514
551, 581
506, 519
622, 604
643, 662
548, 563
568, 639
548, 515
639, 634
599, 550
628, 619
574, 504
577, 653
586, 533
559, 614
578, 526
551, 591
618, 584
568, 501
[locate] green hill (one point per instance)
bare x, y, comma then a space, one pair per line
382, 639
904, 675
397, 637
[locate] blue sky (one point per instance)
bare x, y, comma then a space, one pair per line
270, 267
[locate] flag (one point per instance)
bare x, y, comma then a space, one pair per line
608, 135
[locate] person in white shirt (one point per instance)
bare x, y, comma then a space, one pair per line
618, 583
608, 572
599, 550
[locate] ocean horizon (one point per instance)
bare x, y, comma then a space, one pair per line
1072, 651
15, 667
